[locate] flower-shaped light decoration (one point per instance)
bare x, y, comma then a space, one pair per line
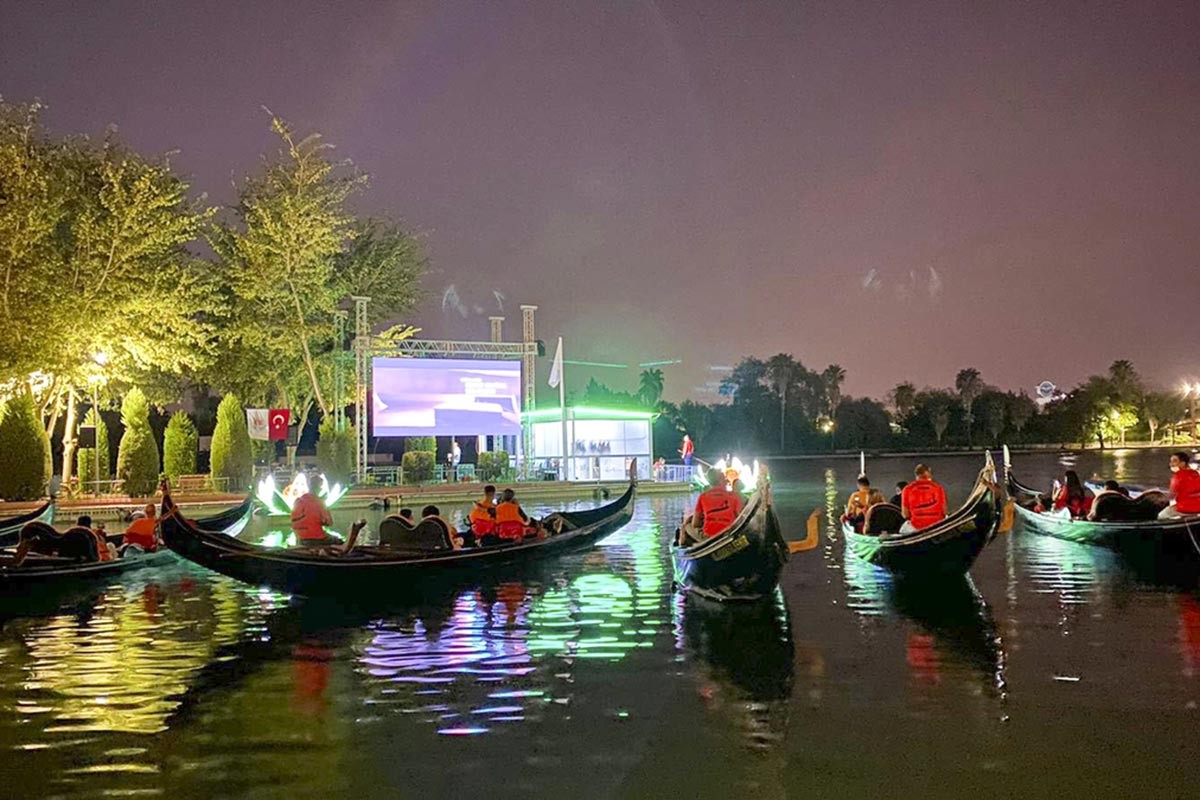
734, 471
279, 503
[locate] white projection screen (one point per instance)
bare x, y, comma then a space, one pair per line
445, 397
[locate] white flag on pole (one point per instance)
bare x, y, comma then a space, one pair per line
556, 370
258, 423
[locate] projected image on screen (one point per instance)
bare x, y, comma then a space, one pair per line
445, 397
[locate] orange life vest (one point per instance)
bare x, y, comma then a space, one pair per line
719, 507
926, 503
509, 522
308, 517
482, 517
141, 533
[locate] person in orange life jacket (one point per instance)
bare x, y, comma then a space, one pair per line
1185, 488
923, 502
483, 513
1072, 496
309, 518
512, 523
143, 532
856, 505
717, 507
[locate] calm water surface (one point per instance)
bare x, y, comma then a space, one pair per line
1055, 672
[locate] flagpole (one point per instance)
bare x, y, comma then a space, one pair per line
562, 410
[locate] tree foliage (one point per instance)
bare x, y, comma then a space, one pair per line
181, 442
24, 451
231, 461
86, 458
137, 455
335, 451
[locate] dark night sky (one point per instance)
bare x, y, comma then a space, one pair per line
903, 188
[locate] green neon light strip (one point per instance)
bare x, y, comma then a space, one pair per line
662, 363
614, 413
595, 364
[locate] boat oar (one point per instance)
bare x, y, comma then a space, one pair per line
1008, 516
813, 535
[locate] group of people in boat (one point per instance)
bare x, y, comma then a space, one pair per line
1071, 498
87, 541
492, 522
922, 501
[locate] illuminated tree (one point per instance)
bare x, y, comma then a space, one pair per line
231, 464
86, 456
1161, 408
24, 451
137, 456
180, 443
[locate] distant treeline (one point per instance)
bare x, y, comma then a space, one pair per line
778, 405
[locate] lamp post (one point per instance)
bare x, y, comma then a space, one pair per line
100, 359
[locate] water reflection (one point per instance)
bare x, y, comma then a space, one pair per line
747, 659
955, 629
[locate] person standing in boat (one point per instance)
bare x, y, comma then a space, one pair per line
923, 502
310, 515
717, 507
1185, 488
686, 450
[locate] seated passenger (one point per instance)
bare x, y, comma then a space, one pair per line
143, 532
1113, 486
105, 550
923, 502
1073, 496
453, 541
899, 491
310, 515
856, 504
483, 513
717, 507
874, 498
1185, 488
512, 523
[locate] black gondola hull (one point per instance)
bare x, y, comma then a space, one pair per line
10, 528
375, 570
743, 563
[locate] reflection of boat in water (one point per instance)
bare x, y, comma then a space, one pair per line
949, 611
748, 659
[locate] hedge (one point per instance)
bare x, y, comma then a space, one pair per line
24, 451
232, 465
137, 456
422, 443
418, 465
335, 451
492, 466
181, 441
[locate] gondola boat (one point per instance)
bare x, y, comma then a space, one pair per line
948, 548
10, 529
41, 570
743, 562
381, 569
1129, 526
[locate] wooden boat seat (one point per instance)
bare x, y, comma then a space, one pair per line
882, 519
1115, 507
427, 535
77, 544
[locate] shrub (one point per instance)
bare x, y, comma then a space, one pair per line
137, 456
24, 451
262, 451
422, 443
232, 462
85, 458
492, 466
418, 465
335, 451
181, 441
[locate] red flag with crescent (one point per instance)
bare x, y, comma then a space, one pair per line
280, 418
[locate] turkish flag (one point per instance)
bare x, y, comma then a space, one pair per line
280, 417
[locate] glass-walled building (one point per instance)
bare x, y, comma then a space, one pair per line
599, 442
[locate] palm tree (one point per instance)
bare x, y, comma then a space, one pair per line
832, 379
781, 373
650, 387
904, 401
969, 386
1127, 384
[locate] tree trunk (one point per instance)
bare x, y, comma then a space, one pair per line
305, 409
70, 438
308, 359
1153, 430
782, 414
